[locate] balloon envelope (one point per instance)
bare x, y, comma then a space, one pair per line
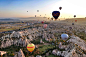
75, 20
55, 14
60, 8
70, 28
35, 15
74, 15
72, 23
64, 36
52, 18
30, 47
37, 10
45, 25
42, 22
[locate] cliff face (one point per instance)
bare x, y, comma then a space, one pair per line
22, 42
19, 54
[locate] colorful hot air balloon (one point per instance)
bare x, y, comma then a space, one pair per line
64, 36
74, 16
42, 22
55, 14
60, 8
45, 25
30, 47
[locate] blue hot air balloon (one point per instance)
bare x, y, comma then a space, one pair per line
55, 14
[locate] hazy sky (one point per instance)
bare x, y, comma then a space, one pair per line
19, 8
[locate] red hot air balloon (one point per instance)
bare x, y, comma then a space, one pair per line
75, 20
42, 22
45, 25
60, 8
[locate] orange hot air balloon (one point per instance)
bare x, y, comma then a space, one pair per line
30, 47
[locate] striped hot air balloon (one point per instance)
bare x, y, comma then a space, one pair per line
30, 47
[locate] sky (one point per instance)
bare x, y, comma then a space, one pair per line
19, 8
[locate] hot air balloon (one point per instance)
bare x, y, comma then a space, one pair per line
75, 20
37, 10
22, 22
30, 47
27, 11
70, 28
40, 15
74, 16
42, 22
60, 8
52, 18
35, 15
45, 25
55, 14
64, 36
48, 18
72, 23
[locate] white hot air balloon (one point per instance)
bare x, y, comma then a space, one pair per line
45, 25
64, 36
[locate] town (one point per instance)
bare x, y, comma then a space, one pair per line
47, 41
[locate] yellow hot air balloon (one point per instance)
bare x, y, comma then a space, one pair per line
30, 47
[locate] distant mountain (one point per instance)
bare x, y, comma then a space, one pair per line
21, 19
9, 20
33, 18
